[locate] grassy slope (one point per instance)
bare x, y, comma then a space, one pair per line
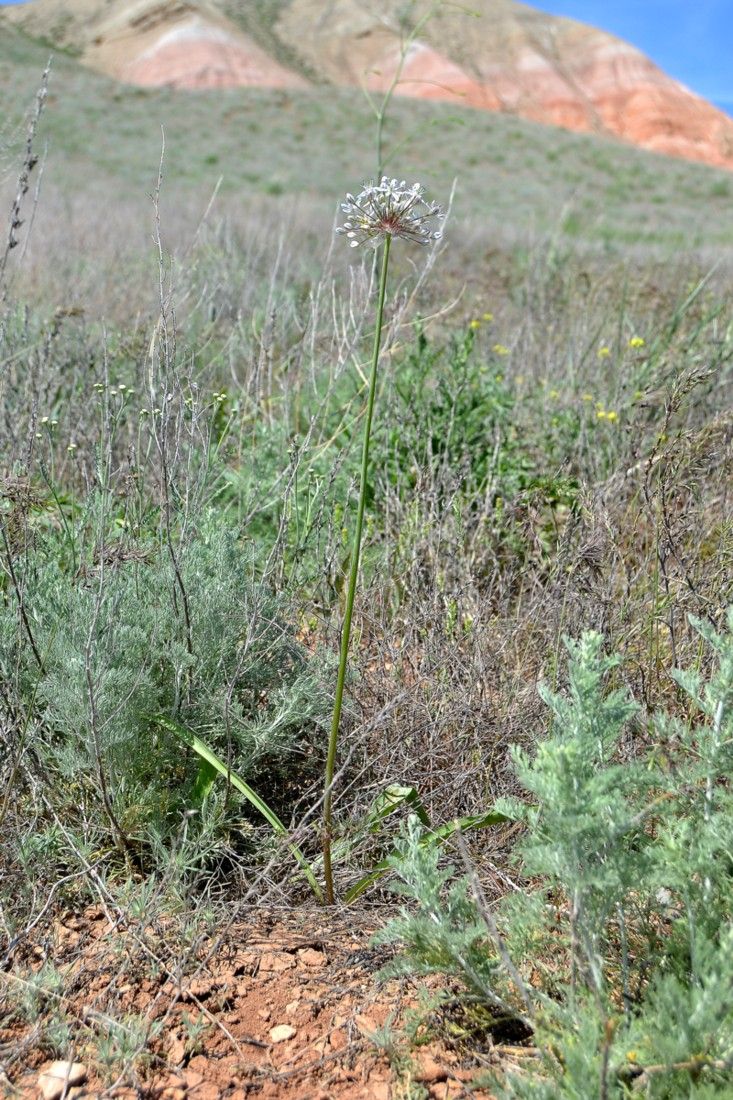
319, 144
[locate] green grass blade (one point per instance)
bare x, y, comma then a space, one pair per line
205, 777
215, 762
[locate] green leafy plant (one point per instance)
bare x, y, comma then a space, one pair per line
379, 213
627, 933
122, 682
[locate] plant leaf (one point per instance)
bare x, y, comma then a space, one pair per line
218, 765
432, 838
205, 777
389, 800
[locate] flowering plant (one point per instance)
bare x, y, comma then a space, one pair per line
389, 208
378, 213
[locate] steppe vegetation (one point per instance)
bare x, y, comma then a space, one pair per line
542, 650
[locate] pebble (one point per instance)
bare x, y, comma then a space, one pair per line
276, 961
312, 958
430, 1071
281, 1033
60, 1076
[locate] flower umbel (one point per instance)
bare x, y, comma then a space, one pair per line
389, 209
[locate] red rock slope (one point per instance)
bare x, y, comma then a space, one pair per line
157, 42
498, 55
510, 57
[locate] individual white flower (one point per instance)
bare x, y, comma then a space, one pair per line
389, 209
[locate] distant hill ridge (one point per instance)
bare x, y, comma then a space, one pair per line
506, 57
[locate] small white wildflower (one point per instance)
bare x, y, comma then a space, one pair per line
389, 209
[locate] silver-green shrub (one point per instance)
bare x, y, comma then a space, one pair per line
617, 951
118, 652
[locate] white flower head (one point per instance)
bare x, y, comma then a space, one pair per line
389, 209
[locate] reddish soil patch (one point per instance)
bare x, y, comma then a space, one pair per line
282, 1006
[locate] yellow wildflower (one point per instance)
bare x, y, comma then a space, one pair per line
488, 316
637, 342
611, 415
586, 397
604, 352
499, 349
554, 394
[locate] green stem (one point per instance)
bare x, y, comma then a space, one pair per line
353, 574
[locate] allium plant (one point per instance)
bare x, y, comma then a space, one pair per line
389, 209
378, 213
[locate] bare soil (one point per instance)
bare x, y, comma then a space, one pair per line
284, 1005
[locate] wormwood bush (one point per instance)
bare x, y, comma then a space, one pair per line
618, 956
126, 639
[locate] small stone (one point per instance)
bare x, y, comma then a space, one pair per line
292, 1008
200, 1063
206, 1091
447, 1090
273, 961
338, 1039
246, 963
430, 1071
367, 1026
264, 1014
380, 1090
199, 989
177, 1051
281, 1033
60, 1076
312, 958
193, 1078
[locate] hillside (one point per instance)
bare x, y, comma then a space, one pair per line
514, 178
500, 56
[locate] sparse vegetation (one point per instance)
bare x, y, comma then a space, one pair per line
181, 423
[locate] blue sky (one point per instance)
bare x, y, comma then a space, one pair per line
690, 39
